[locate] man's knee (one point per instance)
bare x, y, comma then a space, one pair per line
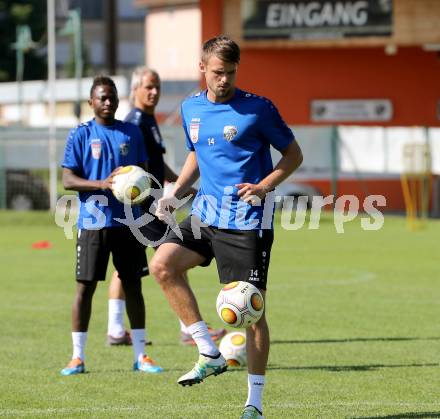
85, 289
161, 269
131, 285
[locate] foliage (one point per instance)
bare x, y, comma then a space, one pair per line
22, 12
69, 67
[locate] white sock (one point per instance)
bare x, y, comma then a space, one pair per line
255, 391
200, 334
138, 339
116, 311
79, 340
183, 328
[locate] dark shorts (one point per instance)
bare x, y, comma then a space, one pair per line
241, 255
93, 250
154, 232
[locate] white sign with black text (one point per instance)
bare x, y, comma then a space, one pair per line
356, 110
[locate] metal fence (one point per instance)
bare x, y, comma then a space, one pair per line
25, 163
25, 159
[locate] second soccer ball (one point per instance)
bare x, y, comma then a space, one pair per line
233, 349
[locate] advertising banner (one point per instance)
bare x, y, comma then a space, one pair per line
318, 19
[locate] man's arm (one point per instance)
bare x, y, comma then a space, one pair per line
291, 159
170, 176
188, 175
73, 182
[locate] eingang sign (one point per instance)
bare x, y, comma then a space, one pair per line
318, 19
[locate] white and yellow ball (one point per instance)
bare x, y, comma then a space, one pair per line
131, 185
240, 304
233, 349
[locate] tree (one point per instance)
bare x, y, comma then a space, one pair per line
22, 12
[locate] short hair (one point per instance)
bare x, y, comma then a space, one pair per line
102, 81
222, 47
136, 78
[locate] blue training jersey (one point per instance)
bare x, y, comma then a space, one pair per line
92, 152
232, 142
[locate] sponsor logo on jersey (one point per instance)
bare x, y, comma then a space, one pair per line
194, 127
124, 149
95, 144
229, 132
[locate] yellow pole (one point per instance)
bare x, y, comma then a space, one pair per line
408, 202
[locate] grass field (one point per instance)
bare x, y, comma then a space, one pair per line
354, 323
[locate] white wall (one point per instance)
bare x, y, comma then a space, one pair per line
173, 42
378, 149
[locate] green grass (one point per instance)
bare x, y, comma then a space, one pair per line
354, 323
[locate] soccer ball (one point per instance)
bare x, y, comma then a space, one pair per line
240, 304
131, 185
233, 349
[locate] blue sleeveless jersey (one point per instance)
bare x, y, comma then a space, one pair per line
232, 142
92, 152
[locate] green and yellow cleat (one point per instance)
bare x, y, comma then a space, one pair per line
251, 412
203, 368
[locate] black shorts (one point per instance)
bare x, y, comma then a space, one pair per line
155, 231
240, 255
93, 249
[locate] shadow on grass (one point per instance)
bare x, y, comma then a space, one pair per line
403, 415
350, 340
341, 368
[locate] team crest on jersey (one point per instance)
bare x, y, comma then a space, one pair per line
229, 132
124, 149
95, 144
194, 127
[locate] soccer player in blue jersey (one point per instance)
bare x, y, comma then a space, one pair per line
228, 133
93, 153
145, 95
